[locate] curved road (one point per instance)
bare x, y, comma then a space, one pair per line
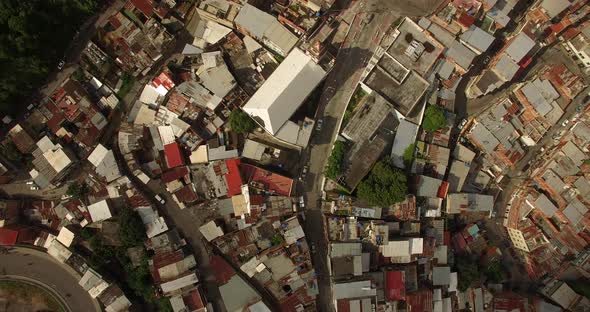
32, 264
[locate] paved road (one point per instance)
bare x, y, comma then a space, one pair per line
186, 224
38, 266
19, 189
363, 37
78, 44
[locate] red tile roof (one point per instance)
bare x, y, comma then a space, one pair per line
466, 19
173, 155
271, 182
222, 270
193, 300
510, 302
174, 174
8, 237
420, 301
163, 80
115, 22
145, 6
186, 194
28, 235
395, 285
138, 200
233, 177
443, 190
343, 305
177, 102
57, 117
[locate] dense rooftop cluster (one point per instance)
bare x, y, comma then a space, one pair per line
177, 153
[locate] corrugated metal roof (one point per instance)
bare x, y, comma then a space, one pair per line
545, 205
506, 68
233, 177
173, 155
460, 54
520, 47
345, 249
395, 285
353, 290
253, 20
554, 7
575, 211
97, 155
99, 211
441, 276
477, 38
8, 237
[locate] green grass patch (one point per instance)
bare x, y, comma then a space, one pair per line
409, 155
29, 293
334, 167
128, 82
356, 98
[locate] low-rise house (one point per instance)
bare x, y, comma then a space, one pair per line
266, 28
51, 162
470, 203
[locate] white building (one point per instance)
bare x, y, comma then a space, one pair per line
284, 91
100, 211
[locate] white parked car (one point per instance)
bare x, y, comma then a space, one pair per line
318, 125
301, 202
34, 188
565, 122
462, 124
160, 199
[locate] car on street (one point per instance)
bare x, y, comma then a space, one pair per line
462, 124
565, 122
303, 172
301, 202
30, 183
61, 64
34, 188
160, 199
318, 124
313, 250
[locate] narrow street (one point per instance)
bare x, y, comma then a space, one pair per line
186, 225
371, 20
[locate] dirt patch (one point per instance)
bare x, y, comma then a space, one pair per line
18, 296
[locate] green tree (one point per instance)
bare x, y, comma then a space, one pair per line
494, 272
77, 190
276, 240
241, 122
385, 185
467, 272
434, 118
334, 166
10, 151
127, 83
35, 35
131, 229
